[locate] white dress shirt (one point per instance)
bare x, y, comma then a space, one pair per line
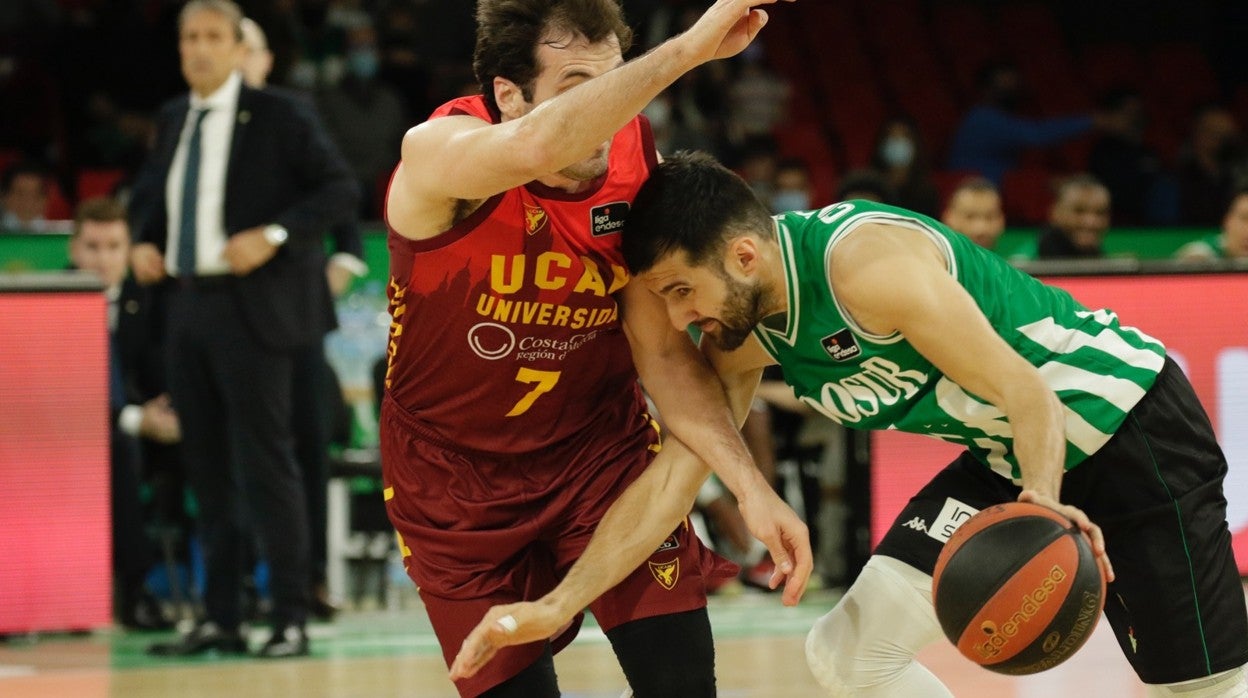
217, 133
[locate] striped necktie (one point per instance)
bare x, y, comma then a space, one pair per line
190, 197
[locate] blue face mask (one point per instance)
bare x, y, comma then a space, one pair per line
363, 63
790, 200
897, 151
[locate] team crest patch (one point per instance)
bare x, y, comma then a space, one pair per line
534, 218
841, 346
670, 544
666, 573
608, 218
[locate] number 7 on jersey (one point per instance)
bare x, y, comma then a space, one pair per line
545, 382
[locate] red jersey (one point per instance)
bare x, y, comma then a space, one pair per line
505, 335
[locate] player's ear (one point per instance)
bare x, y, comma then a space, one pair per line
743, 253
510, 98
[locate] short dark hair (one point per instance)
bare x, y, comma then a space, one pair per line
690, 204
1081, 180
865, 182
225, 8
1240, 189
508, 33
974, 183
22, 168
98, 209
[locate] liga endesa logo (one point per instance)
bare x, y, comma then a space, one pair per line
1000, 634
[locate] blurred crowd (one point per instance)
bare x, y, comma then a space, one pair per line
80, 81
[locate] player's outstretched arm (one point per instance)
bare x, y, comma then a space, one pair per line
631, 530
463, 158
692, 400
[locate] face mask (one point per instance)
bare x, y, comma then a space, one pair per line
897, 151
790, 200
363, 63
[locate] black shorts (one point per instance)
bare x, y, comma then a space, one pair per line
1155, 489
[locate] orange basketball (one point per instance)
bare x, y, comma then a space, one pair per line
1017, 588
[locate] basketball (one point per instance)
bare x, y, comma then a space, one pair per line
1017, 588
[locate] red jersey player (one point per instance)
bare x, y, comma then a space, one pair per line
512, 417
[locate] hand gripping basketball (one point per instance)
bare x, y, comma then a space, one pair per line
1017, 588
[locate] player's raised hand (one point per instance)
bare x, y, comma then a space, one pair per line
787, 539
504, 626
726, 28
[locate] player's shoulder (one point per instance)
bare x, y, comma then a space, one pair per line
470, 105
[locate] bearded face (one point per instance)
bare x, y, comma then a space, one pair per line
742, 310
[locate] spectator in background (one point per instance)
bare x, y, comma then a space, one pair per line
403, 65
757, 98
864, 184
365, 116
24, 198
314, 403
1231, 242
1078, 221
792, 190
258, 59
974, 209
900, 157
758, 162
1209, 165
139, 409
1129, 168
239, 231
993, 135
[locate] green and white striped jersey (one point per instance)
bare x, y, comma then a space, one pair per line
1097, 367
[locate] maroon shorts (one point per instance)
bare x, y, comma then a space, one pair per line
484, 529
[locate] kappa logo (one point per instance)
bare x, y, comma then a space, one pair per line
608, 218
666, 573
917, 524
535, 218
841, 346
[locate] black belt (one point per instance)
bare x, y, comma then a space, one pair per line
213, 282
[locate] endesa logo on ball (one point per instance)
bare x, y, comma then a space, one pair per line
1000, 633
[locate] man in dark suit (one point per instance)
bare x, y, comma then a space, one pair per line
232, 206
139, 409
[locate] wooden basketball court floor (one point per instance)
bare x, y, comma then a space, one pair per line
384, 654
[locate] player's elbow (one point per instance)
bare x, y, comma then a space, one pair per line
535, 150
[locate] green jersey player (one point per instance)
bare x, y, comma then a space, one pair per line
882, 318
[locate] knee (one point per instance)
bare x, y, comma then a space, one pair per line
826, 653
870, 638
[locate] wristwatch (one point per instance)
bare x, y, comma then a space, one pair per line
276, 235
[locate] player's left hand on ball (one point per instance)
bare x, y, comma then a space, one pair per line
503, 626
1081, 520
